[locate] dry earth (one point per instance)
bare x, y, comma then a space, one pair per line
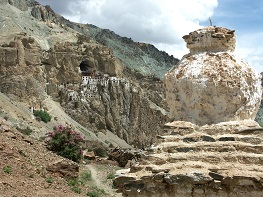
24, 159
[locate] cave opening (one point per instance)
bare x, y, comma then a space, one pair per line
86, 69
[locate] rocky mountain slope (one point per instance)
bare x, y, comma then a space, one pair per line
46, 56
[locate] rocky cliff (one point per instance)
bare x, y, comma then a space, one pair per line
36, 62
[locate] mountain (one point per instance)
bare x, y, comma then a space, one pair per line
109, 84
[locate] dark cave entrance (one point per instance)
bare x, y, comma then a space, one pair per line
86, 69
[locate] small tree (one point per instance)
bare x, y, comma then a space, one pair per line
65, 142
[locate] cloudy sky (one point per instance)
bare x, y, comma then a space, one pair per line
164, 22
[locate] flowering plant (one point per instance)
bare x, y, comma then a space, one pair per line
65, 142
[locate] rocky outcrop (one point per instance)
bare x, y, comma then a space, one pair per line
210, 84
21, 71
64, 168
124, 110
199, 161
49, 58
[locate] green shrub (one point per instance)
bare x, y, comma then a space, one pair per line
7, 169
65, 142
43, 115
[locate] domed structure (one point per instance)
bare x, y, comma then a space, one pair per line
210, 85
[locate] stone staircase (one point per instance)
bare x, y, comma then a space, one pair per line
199, 161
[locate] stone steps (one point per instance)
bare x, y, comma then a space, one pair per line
205, 164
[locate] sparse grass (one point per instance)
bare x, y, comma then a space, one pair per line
96, 192
111, 176
93, 194
86, 176
76, 189
26, 131
7, 169
49, 180
74, 184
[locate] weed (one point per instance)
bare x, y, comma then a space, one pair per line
49, 180
111, 176
38, 171
86, 176
7, 169
31, 175
93, 194
72, 182
76, 189
96, 192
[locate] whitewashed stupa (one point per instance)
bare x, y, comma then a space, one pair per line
210, 85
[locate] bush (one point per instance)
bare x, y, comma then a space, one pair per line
65, 142
43, 115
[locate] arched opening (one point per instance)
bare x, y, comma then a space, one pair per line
86, 69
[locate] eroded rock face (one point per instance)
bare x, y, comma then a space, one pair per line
210, 84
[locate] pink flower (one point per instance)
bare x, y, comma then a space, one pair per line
60, 128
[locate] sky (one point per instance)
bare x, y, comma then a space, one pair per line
164, 22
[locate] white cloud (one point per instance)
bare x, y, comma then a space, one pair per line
160, 22
248, 49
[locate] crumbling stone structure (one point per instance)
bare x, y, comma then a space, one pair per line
214, 147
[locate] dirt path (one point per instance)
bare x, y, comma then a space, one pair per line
98, 176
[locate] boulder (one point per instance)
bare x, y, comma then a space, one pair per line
89, 155
65, 168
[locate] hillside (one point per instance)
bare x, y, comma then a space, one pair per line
47, 57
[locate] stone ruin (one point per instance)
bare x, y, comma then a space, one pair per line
213, 147
210, 85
